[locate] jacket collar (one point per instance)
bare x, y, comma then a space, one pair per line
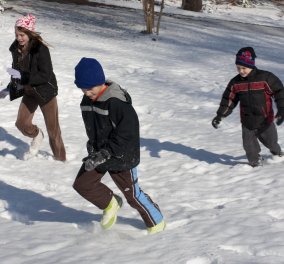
250, 76
33, 49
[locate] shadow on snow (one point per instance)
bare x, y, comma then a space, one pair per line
20, 146
154, 146
27, 206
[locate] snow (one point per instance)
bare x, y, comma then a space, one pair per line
218, 209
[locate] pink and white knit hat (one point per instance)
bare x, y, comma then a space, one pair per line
27, 22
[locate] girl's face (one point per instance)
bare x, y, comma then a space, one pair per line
243, 71
22, 38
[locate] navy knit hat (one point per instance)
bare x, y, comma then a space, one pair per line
89, 73
246, 57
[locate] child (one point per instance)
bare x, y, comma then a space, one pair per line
33, 67
113, 146
254, 89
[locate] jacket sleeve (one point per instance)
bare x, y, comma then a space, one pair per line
42, 72
229, 101
125, 133
277, 88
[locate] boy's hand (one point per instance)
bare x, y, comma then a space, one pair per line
216, 121
97, 158
279, 116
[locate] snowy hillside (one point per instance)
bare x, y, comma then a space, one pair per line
218, 209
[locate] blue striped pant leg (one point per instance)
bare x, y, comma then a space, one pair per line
127, 182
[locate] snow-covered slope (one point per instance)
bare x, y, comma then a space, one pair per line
218, 209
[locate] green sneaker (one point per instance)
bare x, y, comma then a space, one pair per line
157, 228
110, 213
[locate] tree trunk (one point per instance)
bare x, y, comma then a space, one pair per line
192, 5
160, 16
148, 7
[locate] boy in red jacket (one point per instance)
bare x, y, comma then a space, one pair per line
254, 89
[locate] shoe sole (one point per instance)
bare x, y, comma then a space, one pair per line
159, 230
112, 221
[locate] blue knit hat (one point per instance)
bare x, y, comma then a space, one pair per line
246, 57
89, 73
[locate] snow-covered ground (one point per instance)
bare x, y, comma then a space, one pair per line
218, 209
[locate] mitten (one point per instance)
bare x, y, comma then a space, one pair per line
97, 158
90, 148
280, 116
216, 121
14, 73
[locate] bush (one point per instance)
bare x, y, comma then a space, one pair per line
244, 3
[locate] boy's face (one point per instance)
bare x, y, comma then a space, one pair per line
243, 71
93, 92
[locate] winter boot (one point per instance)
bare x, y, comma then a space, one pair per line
280, 154
257, 163
34, 147
157, 228
110, 213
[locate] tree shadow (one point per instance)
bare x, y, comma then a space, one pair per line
20, 146
26, 206
155, 146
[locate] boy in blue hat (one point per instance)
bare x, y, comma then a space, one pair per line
113, 146
254, 89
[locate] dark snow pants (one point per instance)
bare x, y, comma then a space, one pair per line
88, 184
251, 138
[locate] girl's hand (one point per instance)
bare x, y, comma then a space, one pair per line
29, 90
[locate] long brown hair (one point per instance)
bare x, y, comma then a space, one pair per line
34, 37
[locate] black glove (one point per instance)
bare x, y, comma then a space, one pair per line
90, 148
280, 116
216, 121
95, 159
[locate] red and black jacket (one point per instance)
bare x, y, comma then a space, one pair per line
255, 93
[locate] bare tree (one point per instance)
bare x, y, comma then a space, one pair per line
160, 16
148, 7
